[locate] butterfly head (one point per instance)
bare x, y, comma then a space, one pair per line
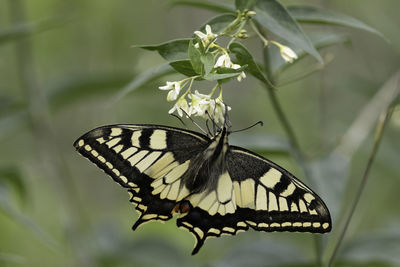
221, 140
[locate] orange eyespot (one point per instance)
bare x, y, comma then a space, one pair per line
182, 207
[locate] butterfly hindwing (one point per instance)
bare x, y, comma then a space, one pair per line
139, 157
263, 196
279, 202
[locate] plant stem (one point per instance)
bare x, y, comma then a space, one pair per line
378, 137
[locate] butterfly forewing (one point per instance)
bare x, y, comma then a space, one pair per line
236, 189
145, 159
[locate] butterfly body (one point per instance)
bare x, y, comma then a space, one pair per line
217, 188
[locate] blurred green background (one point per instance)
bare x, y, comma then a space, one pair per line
62, 65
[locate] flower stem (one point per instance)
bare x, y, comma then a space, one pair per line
256, 30
242, 24
383, 120
215, 88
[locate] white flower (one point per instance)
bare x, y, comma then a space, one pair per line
180, 105
286, 52
175, 88
207, 37
200, 103
224, 61
217, 109
241, 76
235, 66
172, 95
170, 85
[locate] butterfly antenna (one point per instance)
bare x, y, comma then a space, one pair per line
208, 129
251, 126
213, 122
195, 123
184, 124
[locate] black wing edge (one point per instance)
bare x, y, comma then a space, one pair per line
327, 218
154, 126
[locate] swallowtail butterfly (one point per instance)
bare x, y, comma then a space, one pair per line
216, 188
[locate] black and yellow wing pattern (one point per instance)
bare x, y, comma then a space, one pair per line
216, 188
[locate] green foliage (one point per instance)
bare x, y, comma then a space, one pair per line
242, 5
274, 16
213, 6
207, 60
171, 50
244, 58
311, 14
195, 61
11, 176
219, 22
184, 67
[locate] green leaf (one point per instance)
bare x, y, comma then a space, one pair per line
171, 50
380, 246
365, 122
184, 67
23, 30
272, 15
244, 57
220, 7
309, 14
220, 76
78, 87
194, 56
7, 207
208, 62
219, 23
12, 176
142, 79
336, 164
330, 189
245, 4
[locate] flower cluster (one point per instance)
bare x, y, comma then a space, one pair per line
199, 104
204, 105
224, 59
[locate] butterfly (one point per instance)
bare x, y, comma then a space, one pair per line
214, 187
